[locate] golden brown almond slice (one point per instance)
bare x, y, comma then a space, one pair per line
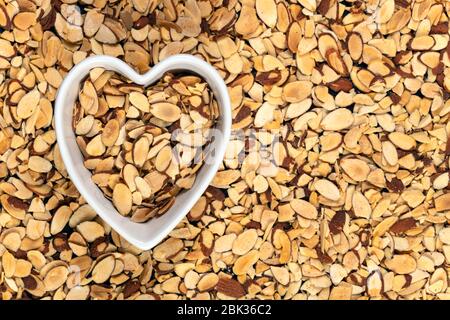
92, 22
327, 43
297, 91
129, 174
422, 43
122, 199
304, 208
140, 151
401, 264
386, 11
247, 22
355, 46
95, 147
293, 36
110, 132
430, 59
442, 203
402, 140
245, 242
28, 104
166, 111
103, 269
55, 278
143, 187
6, 49
327, 189
163, 159
356, 169
280, 274
296, 109
140, 101
39, 164
337, 120
24, 20
245, 262
88, 98
330, 141
267, 11
60, 219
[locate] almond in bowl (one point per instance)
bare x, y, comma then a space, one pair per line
144, 145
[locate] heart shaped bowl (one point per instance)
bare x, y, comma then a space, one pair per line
142, 235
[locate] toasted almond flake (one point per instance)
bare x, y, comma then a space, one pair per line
402, 141
39, 164
245, 242
337, 120
140, 101
327, 189
401, 264
356, 169
304, 208
122, 199
28, 104
166, 111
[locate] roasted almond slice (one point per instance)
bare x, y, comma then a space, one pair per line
163, 159
166, 111
140, 151
402, 140
122, 199
327, 189
110, 132
28, 104
140, 101
304, 208
356, 169
95, 147
337, 120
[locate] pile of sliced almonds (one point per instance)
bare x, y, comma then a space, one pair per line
143, 145
335, 184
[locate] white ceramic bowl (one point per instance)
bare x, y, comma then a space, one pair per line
143, 235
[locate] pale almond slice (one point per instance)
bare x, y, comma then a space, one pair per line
327, 189
361, 205
122, 199
441, 181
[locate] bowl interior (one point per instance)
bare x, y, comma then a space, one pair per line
148, 234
